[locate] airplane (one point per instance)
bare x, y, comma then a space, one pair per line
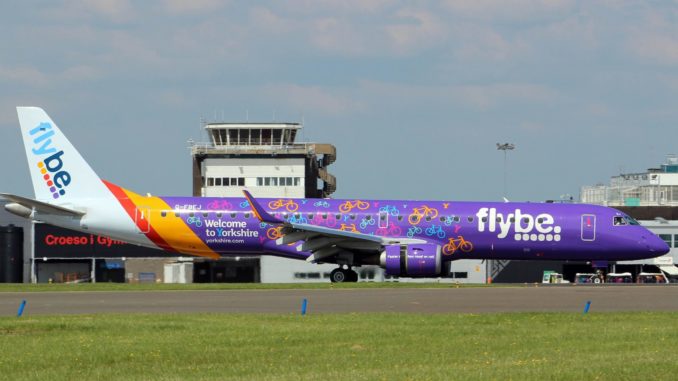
407, 238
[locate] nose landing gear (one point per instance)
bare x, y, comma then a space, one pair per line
343, 275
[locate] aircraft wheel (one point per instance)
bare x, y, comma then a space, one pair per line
352, 276
339, 276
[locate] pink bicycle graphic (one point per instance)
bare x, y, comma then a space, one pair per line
392, 230
219, 205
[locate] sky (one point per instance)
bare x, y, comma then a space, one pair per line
414, 94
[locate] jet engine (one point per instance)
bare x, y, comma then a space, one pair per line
412, 260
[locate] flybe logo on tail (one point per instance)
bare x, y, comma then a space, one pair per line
51, 163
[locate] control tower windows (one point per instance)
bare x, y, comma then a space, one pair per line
278, 181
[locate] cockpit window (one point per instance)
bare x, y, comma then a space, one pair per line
619, 220
631, 221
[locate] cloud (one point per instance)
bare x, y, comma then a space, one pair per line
325, 7
415, 30
480, 97
523, 10
25, 75
336, 36
655, 47
654, 37
193, 6
115, 11
311, 98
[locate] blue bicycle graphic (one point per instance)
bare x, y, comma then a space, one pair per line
365, 222
298, 219
412, 231
196, 221
435, 230
390, 209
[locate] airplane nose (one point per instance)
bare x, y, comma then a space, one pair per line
656, 245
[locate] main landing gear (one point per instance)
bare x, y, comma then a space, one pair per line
343, 275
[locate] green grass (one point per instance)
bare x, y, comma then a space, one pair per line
524, 346
42, 287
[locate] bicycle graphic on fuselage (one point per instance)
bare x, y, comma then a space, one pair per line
455, 244
289, 205
350, 205
422, 212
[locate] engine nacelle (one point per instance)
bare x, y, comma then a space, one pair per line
413, 260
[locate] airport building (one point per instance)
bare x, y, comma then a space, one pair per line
655, 187
651, 197
267, 160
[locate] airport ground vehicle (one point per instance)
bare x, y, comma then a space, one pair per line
651, 278
582, 278
619, 278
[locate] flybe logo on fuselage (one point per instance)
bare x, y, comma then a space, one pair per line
51, 163
525, 226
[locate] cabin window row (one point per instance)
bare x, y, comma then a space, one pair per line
338, 216
178, 213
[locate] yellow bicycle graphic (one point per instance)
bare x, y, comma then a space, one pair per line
274, 233
421, 212
348, 228
457, 244
290, 205
349, 205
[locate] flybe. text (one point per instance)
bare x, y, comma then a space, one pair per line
524, 226
50, 167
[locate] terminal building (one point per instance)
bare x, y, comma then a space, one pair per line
651, 197
655, 187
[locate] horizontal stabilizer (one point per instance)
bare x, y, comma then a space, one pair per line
42, 207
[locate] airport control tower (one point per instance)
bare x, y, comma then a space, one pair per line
263, 158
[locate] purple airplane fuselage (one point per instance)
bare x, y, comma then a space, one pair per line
463, 230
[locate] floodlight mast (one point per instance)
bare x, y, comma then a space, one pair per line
505, 147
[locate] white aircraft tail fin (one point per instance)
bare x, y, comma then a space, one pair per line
59, 174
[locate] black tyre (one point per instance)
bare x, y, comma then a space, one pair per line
338, 276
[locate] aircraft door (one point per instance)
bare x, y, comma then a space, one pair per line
383, 219
588, 227
142, 218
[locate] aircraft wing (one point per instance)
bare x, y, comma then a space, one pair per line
40, 206
324, 242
